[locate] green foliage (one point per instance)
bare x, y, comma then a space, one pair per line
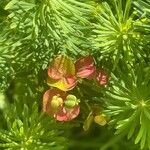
128, 101
143, 25
114, 32
27, 129
33, 31
143, 7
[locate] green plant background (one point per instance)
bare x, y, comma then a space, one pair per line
115, 32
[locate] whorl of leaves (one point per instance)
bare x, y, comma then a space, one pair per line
115, 34
128, 102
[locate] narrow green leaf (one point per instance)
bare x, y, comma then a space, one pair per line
140, 134
10, 4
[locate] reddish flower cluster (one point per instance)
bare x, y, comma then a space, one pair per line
85, 67
63, 75
102, 77
54, 105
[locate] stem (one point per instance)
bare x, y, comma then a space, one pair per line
81, 94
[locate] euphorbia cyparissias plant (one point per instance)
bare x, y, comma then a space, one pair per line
60, 105
64, 74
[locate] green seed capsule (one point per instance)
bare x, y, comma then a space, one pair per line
71, 97
70, 104
71, 101
100, 119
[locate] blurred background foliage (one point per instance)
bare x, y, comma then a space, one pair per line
115, 32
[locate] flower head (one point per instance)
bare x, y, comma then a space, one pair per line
102, 77
56, 102
61, 73
85, 67
96, 116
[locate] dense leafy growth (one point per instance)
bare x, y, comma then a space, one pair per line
28, 130
109, 43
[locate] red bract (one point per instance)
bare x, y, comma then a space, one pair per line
68, 114
65, 83
102, 77
85, 67
53, 105
54, 73
71, 81
61, 73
